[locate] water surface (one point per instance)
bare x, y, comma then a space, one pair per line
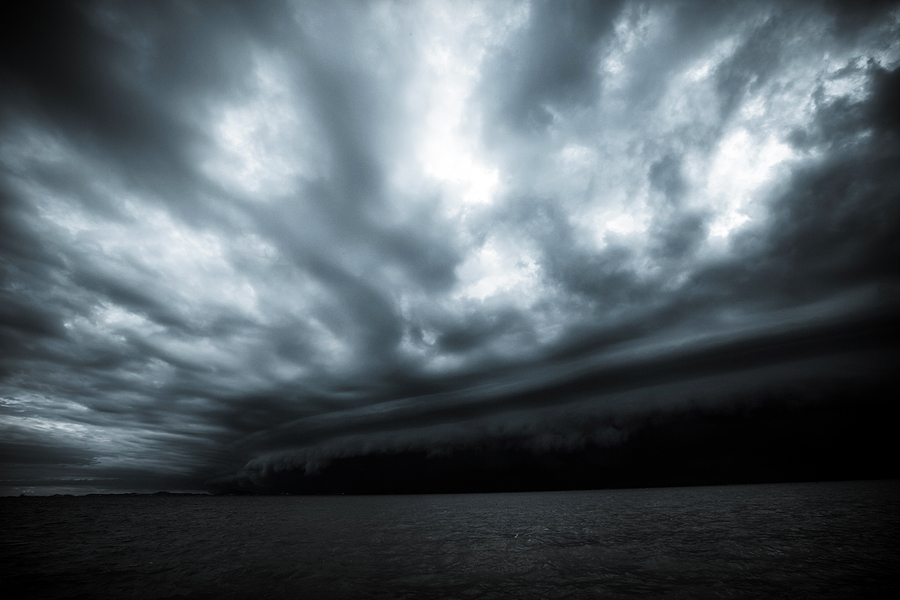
825, 540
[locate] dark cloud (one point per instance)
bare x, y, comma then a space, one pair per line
836, 223
765, 437
665, 175
723, 374
296, 246
29, 320
886, 92
553, 61
750, 65
851, 17
62, 64
34, 454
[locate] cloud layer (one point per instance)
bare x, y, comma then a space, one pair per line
239, 240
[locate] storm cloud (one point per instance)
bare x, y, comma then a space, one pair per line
245, 245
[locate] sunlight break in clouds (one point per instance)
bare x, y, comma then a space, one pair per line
454, 43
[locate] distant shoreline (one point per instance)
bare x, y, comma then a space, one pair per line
240, 493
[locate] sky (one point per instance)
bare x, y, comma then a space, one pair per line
446, 246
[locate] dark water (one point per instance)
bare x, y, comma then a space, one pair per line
826, 540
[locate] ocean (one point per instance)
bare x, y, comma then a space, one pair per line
800, 540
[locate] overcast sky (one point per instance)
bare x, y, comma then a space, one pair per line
240, 239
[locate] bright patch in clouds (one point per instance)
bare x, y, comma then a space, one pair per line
268, 139
448, 146
740, 168
500, 270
